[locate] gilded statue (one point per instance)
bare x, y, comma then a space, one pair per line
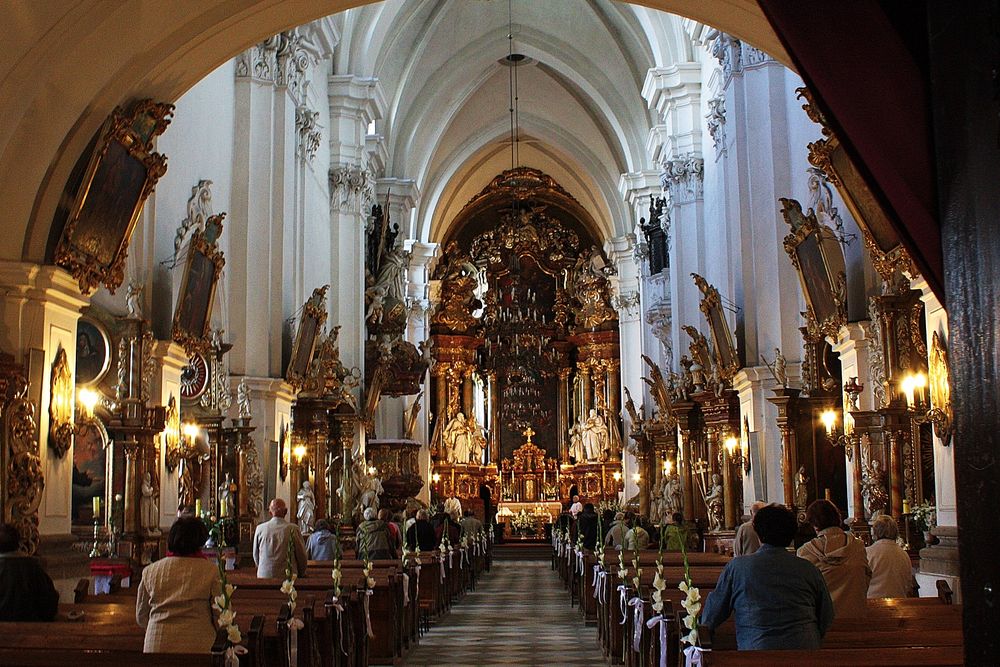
595, 436
149, 506
778, 368
477, 441
589, 285
714, 503
666, 500
873, 492
459, 278
801, 488
699, 348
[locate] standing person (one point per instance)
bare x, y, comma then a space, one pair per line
26, 591
746, 541
586, 526
174, 600
780, 601
421, 533
576, 507
270, 544
840, 558
323, 544
471, 525
892, 572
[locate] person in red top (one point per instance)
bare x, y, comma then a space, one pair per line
395, 537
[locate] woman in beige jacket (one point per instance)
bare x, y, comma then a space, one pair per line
840, 557
175, 595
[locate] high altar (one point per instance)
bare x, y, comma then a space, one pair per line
525, 345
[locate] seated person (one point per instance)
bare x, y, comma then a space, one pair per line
470, 524
26, 591
322, 543
616, 534
374, 541
892, 571
421, 533
746, 541
174, 600
637, 537
780, 600
586, 526
840, 557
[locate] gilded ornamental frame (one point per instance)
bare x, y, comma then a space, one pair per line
193, 315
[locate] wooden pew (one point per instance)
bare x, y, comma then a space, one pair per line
940, 656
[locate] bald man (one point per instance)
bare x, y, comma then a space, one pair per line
746, 541
270, 544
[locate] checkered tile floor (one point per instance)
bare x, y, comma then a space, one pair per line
519, 614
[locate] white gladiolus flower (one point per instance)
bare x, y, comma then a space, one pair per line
226, 618
234, 634
286, 587
219, 602
371, 582
229, 589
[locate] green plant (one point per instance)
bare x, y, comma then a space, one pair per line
924, 516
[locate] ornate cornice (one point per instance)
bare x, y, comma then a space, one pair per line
717, 123
283, 59
735, 56
307, 131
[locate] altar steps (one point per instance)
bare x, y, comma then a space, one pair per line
526, 550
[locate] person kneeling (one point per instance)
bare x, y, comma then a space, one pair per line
780, 600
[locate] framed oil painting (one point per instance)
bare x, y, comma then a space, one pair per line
193, 314
819, 262
310, 325
121, 172
726, 354
93, 351
90, 471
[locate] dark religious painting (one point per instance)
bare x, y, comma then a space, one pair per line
310, 325
193, 315
723, 338
121, 171
89, 472
93, 351
815, 282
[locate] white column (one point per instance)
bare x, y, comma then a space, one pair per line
854, 348
41, 308
620, 250
170, 360
675, 95
271, 408
418, 330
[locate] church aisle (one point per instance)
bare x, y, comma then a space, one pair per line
518, 615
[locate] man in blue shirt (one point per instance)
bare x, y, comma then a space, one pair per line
780, 600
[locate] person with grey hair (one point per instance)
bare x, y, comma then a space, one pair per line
892, 572
746, 540
270, 544
374, 542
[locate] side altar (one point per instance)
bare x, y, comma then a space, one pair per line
527, 519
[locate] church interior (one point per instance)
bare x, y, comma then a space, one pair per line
508, 264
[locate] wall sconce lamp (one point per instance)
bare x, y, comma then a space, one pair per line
913, 386
436, 478
299, 453
172, 436
636, 477
736, 452
829, 420
86, 400
668, 467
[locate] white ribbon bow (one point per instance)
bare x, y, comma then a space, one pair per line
658, 619
335, 603
406, 590
416, 574
599, 587
692, 656
637, 605
294, 625
441, 560
233, 654
579, 561
368, 618
623, 600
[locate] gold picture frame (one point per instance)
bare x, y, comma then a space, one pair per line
308, 332
120, 174
192, 322
819, 262
724, 349
941, 415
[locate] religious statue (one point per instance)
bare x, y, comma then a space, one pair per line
714, 503
873, 489
227, 504
801, 488
595, 436
370, 490
306, 512
477, 441
589, 284
778, 368
392, 273
459, 279
243, 398
457, 439
576, 443
148, 506
186, 489
133, 299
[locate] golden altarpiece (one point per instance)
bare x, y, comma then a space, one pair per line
525, 375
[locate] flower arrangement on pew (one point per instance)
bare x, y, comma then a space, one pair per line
337, 573
288, 585
692, 599
599, 547
622, 568
638, 570
223, 605
659, 582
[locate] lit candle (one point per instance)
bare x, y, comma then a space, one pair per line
97, 506
906, 506
827, 494
197, 507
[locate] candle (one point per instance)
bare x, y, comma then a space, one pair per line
197, 507
906, 506
826, 494
97, 506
